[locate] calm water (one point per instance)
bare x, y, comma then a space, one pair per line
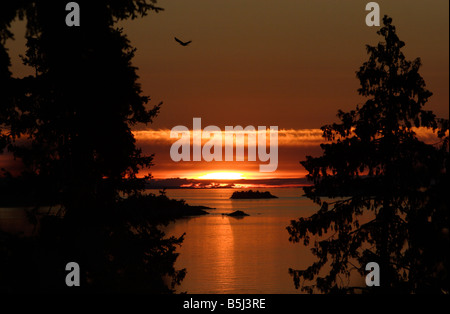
240, 255
226, 254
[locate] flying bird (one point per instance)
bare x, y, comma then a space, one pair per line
182, 43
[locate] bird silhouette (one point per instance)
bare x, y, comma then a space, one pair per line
182, 43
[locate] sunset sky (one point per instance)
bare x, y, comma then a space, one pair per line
288, 63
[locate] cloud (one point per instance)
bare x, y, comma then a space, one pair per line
286, 137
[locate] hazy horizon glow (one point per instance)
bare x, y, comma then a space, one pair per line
228, 175
292, 146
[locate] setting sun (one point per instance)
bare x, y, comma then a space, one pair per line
222, 176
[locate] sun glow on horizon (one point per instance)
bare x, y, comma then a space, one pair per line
222, 176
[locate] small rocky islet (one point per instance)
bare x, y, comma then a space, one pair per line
252, 195
237, 213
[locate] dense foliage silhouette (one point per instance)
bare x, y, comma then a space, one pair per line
70, 124
391, 204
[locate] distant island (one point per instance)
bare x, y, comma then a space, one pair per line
251, 195
237, 213
183, 183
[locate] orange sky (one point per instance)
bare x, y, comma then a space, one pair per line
289, 63
293, 145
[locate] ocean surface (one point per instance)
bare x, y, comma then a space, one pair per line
251, 254
228, 255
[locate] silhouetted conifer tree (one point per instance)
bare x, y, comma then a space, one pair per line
390, 187
70, 124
